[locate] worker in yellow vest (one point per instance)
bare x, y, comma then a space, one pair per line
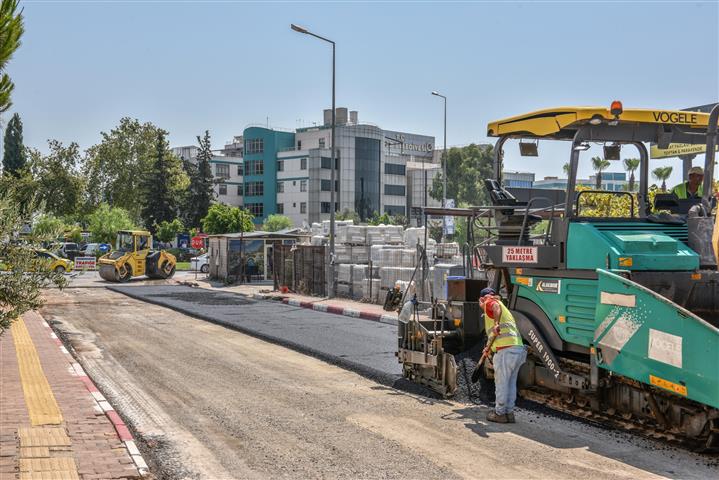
692, 188
509, 354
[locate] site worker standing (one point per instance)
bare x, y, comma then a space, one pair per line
509, 354
692, 188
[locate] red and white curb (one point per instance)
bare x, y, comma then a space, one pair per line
103, 406
347, 312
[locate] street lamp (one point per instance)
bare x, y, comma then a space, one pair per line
333, 188
444, 164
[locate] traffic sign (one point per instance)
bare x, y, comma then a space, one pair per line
84, 263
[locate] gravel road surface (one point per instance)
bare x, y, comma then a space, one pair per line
211, 402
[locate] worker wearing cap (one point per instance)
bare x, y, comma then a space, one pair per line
692, 188
509, 354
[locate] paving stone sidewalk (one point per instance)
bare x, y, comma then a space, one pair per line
52, 425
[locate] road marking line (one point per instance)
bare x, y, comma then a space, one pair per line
39, 399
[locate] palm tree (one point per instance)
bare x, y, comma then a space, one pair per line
599, 164
11, 29
662, 173
565, 167
630, 165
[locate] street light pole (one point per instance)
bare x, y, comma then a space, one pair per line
444, 164
333, 182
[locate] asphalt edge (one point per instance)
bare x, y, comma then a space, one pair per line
101, 404
389, 380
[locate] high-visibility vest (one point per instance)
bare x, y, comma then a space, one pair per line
682, 191
508, 332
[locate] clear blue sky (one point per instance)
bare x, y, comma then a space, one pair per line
191, 66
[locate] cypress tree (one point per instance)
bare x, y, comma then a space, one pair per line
14, 158
158, 202
201, 192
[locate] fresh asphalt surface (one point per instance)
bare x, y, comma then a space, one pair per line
364, 346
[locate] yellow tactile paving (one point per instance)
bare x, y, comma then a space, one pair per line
40, 401
58, 468
34, 452
43, 437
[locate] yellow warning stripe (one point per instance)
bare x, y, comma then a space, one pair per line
667, 385
40, 401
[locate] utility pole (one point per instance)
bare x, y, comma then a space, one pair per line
333, 159
444, 166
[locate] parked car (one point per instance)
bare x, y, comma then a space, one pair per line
69, 250
90, 249
201, 263
54, 262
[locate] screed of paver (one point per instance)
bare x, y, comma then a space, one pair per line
232, 403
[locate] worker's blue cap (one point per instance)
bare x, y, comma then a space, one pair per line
487, 291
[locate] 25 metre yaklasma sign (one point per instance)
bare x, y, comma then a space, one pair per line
679, 149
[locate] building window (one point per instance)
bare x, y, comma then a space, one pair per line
303, 185
394, 169
280, 165
326, 163
280, 187
256, 209
222, 170
280, 208
299, 144
303, 164
325, 207
394, 210
255, 167
240, 189
303, 207
394, 190
240, 170
326, 185
255, 189
222, 189
322, 143
254, 145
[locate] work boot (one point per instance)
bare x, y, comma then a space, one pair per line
510, 418
497, 418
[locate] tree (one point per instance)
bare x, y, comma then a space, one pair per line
378, 219
48, 227
467, 168
662, 174
11, 29
106, 221
167, 231
631, 165
599, 165
159, 203
565, 169
346, 214
277, 222
223, 218
14, 158
201, 192
115, 167
24, 275
58, 178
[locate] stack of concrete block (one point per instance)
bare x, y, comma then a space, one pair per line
390, 275
447, 250
343, 253
344, 273
375, 235
372, 292
393, 234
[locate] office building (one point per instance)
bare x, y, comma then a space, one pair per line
514, 179
269, 170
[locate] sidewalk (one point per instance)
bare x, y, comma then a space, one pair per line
54, 423
340, 306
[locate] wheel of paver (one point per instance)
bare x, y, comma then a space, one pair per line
205, 268
60, 269
125, 272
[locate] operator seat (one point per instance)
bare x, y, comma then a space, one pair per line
509, 221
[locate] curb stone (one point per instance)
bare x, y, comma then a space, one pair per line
102, 405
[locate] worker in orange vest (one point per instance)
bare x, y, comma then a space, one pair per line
509, 354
